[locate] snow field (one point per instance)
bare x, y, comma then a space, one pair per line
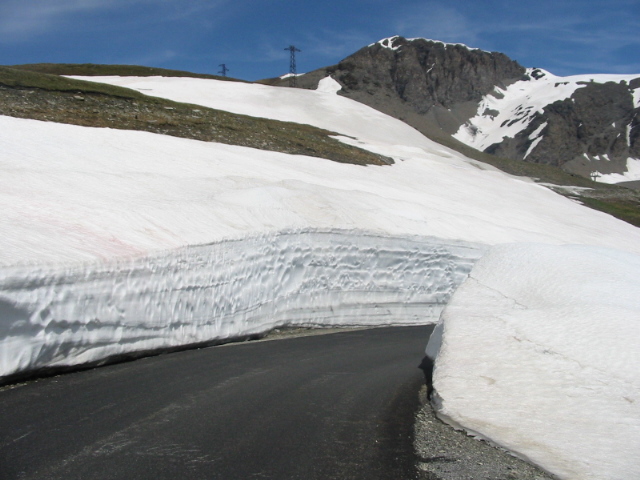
539, 354
60, 317
117, 241
73, 194
321, 108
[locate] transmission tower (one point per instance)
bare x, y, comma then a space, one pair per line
292, 65
223, 70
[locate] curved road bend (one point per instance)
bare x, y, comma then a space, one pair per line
337, 406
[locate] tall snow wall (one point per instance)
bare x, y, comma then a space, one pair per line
61, 316
539, 353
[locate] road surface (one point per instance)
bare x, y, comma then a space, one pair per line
337, 406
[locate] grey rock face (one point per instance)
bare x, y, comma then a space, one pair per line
425, 74
432, 86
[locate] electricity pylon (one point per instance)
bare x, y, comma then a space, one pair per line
292, 65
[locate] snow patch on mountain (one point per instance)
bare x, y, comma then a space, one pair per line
328, 85
289, 75
536, 138
632, 173
392, 44
388, 43
506, 112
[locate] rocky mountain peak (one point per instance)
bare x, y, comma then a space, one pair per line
426, 73
492, 103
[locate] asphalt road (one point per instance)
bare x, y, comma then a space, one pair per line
337, 406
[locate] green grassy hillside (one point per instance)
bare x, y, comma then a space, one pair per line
91, 69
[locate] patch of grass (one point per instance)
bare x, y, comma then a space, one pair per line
626, 210
91, 69
24, 79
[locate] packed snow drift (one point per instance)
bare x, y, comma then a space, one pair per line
540, 354
117, 241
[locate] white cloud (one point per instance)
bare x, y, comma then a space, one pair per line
21, 20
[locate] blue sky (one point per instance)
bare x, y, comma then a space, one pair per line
563, 36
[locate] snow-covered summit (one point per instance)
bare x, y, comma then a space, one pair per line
395, 42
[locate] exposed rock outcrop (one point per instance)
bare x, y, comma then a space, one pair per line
594, 129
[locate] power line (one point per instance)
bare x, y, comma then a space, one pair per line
223, 71
292, 65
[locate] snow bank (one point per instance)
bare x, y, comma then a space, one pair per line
540, 354
60, 317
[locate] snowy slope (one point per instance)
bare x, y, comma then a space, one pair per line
320, 108
177, 192
118, 241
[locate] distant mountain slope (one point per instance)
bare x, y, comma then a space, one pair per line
27, 93
583, 124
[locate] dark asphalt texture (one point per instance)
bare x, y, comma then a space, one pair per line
337, 406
